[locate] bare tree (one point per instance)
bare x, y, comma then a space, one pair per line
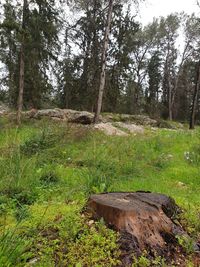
21, 66
103, 64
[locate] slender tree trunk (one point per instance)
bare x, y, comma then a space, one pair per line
21, 66
170, 105
103, 64
170, 100
195, 99
184, 57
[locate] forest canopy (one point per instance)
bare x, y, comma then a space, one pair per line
61, 45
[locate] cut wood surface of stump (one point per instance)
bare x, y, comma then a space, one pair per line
148, 217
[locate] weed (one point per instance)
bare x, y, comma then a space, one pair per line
187, 243
49, 178
142, 261
39, 142
96, 246
22, 213
12, 249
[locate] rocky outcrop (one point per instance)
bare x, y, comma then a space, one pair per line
3, 109
136, 119
111, 124
82, 117
50, 113
119, 128
130, 127
73, 116
109, 129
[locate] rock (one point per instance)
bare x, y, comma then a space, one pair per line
74, 116
57, 119
3, 109
33, 262
82, 117
180, 184
126, 118
147, 217
30, 114
119, 128
55, 113
131, 128
70, 113
144, 120
109, 129
171, 125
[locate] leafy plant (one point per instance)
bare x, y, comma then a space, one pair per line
22, 213
96, 246
186, 243
49, 178
142, 261
12, 249
39, 142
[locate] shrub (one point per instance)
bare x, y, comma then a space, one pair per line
37, 143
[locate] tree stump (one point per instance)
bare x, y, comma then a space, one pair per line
147, 217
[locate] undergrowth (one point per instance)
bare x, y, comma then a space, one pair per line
48, 170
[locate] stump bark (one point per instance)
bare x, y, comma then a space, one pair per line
147, 217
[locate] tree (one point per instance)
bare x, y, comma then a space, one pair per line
191, 40
195, 98
21, 64
169, 29
119, 61
9, 49
154, 74
103, 66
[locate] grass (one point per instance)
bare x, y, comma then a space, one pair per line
48, 170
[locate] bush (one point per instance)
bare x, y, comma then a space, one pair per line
38, 143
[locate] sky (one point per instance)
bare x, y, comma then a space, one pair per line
155, 8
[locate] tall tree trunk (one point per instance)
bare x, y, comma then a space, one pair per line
170, 105
21, 66
184, 57
170, 99
195, 99
103, 64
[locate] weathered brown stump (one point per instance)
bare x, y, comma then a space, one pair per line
148, 217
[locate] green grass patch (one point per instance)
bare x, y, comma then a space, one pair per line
48, 170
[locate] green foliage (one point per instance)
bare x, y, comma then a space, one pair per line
49, 178
21, 196
94, 247
37, 143
144, 261
21, 213
187, 243
12, 249
43, 193
98, 182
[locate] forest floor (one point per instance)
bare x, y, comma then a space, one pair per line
48, 170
